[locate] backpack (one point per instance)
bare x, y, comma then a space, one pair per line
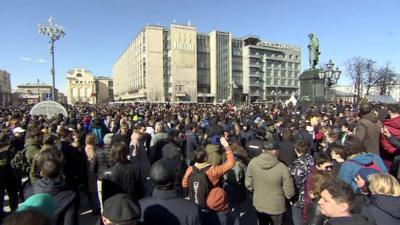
199, 186
20, 164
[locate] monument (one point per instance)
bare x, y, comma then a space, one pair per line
312, 87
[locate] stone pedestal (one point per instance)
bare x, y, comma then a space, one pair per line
312, 89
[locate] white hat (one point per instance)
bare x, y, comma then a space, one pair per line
108, 138
18, 130
310, 128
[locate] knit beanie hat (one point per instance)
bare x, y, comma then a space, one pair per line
365, 172
120, 209
217, 199
43, 203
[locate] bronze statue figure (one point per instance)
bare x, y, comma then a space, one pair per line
313, 46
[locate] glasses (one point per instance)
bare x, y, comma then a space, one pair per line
329, 167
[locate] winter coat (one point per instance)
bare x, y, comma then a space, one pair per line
123, 178
350, 167
118, 137
234, 183
299, 170
389, 149
67, 212
368, 130
214, 154
382, 210
270, 182
101, 162
286, 152
254, 147
71, 167
214, 173
32, 148
167, 208
192, 143
352, 220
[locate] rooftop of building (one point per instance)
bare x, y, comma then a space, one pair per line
42, 84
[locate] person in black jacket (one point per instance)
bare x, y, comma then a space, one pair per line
71, 167
8, 181
383, 208
66, 198
165, 207
101, 162
123, 177
254, 147
286, 148
192, 142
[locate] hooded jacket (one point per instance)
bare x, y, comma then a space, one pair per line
350, 167
270, 182
393, 125
67, 200
382, 210
368, 130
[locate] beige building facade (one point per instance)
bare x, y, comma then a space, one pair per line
32, 93
179, 64
5, 88
104, 89
80, 86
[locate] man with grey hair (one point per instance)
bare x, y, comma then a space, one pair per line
159, 139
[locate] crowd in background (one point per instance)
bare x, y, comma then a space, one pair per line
202, 164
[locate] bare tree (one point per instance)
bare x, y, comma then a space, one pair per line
355, 71
370, 74
387, 78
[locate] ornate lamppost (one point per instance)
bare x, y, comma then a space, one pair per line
54, 32
330, 75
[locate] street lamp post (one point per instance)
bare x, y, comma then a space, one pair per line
330, 75
38, 89
55, 32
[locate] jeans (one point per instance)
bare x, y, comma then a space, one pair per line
268, 219
296, 215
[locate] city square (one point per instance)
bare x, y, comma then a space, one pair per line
269, 112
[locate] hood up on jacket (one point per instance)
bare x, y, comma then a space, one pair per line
388, 204
266, 161
60, 191
364, 159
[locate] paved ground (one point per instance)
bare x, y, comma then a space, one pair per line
85, 218
247, 213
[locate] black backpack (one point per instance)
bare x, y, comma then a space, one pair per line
199, 186
20, 164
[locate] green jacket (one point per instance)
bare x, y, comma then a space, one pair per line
214, 154
32, 149
270, 182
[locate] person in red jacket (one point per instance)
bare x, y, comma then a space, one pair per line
392, 128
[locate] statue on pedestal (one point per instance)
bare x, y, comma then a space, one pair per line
313, 46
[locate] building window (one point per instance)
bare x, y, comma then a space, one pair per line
78, 75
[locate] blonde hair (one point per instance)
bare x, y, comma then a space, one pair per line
384, 184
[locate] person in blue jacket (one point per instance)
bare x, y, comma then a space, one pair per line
358, 158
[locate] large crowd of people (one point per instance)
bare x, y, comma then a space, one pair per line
193, 164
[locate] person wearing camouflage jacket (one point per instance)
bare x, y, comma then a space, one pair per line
299, 170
